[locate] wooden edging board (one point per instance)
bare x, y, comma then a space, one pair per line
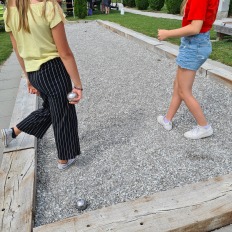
17, 186
18, 171
166, 50
198, 207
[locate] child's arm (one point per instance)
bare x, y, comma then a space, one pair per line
191, 29
30, 88
66, 55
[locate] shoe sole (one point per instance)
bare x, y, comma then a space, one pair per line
68, 165
4, 137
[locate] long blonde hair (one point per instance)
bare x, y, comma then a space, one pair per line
183, 5
23, 6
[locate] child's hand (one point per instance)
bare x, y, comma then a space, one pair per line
31, 89
78, 92
162, 34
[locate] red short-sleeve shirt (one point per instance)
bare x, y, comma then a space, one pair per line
205, 10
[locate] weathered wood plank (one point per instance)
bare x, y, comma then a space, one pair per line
197, 207
17, 187
24, 104
223, 28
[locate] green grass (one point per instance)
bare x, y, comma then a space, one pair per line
222, 51
148, 25
5, 46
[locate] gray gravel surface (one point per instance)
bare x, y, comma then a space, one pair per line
125, 153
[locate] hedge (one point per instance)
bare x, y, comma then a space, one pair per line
230, 9
156, 4
142, 4
173, 6
130, 3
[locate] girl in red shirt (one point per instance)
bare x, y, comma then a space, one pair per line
195, 48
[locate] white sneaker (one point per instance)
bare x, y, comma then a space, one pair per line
67, 165
166, 125
6, 136
199, 132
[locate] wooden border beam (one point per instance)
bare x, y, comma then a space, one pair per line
202, 206
17, 191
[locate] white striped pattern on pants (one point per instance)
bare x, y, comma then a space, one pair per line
54, 83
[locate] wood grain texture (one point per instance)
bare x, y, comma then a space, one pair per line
25, 103
198, 207
17, 188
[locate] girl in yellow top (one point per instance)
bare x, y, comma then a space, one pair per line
38, 37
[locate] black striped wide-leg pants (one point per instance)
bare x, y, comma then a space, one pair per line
53, 82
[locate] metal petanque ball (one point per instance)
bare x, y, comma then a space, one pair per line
81, 204
71, 96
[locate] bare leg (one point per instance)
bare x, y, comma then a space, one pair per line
17, 131
62, 161
185, 82
176, 99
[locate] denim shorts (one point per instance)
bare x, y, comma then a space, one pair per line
194, 51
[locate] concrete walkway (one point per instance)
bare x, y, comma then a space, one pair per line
152, 14
10, 73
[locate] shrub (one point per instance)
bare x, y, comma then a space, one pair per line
230, 9
173, 6
130, 3
156, 4
80, 8
142, 4
125, 2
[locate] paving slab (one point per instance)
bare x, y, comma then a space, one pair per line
10, 75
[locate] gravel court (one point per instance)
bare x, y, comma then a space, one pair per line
125, 153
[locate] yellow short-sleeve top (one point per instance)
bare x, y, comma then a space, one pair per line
38, 46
